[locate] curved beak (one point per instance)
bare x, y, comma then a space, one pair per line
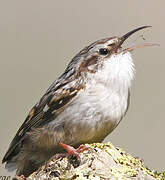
127, 35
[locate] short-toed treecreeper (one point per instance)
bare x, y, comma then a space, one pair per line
83, 105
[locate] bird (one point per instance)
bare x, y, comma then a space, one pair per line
83, 105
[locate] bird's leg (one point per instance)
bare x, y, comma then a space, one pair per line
71, 151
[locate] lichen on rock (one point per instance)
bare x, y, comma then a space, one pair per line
102, 161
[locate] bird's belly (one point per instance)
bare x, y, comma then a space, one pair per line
91, 117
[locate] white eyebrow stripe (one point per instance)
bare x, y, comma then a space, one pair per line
111, 41
104, 45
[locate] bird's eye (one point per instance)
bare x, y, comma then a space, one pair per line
103, 51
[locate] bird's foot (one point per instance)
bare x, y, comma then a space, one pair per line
72, 151
74, 154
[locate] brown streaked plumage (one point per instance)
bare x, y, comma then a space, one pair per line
83, 105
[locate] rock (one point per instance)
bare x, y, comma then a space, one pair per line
102, 161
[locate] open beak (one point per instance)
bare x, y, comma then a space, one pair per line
127, 35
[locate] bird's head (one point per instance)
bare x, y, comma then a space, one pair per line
105, 58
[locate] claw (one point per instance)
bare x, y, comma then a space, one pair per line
72, 151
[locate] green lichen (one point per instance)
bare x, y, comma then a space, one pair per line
100, 161
129, 166
123, 172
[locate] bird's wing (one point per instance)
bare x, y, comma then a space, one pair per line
51, 104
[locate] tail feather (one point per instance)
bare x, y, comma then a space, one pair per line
11, 157
11, 153
11, 166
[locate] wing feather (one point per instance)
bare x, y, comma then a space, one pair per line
39, 116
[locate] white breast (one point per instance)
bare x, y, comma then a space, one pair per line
98, 109
108, 88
